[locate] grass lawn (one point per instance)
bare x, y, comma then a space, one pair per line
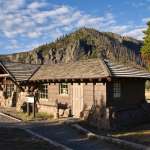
39, 116
139, 135
18, 139
25, 117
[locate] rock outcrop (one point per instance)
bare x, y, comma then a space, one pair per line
84, 43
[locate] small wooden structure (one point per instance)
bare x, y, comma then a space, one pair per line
11, 76
96, 90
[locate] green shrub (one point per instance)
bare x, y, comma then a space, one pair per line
44, 116
147, 85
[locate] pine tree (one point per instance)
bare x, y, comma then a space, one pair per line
146, 48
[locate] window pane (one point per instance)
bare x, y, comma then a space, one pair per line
116, 89
9, 89
43, 91
63, 88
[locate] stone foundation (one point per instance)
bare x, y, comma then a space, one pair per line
21, 100
51, 110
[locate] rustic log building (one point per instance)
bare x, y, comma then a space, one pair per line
11, 76
97, 90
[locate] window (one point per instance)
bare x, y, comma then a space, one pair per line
63, 88
116, 89
43, 91
9, 89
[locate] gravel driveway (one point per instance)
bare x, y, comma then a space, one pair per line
65, 135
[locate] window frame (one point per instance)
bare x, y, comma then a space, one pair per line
116, 89
43, 91
9, 89
63, 89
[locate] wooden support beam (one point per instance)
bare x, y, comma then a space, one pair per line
73, 80
100, 79
104, 83
58, 80
41, 81
94, 83
69, 80
94, 94
4, 75
81, 80
38, 81
109, 79
5, 83
33, 81
53, 80
91, 80
45, 81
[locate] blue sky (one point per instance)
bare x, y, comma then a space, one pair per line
25, 24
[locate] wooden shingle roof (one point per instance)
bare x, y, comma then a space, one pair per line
91, 68
126, 70
20, 71
88, 69
83, 69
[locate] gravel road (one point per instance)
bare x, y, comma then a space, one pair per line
65, 135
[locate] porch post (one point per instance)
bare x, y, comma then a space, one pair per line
5, 83
5, 90
33, 109
94, 93
28, 111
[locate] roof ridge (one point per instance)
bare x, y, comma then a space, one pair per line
36, 70
71, 62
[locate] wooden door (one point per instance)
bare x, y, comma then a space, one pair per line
77, 99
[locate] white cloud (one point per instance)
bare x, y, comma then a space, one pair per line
40, 19
14, 44
36, 5
119, 28
145, 20
42, 16
11, 5
34, 34
137, 32
139, 4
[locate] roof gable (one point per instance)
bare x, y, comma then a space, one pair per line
3, 69
20, 71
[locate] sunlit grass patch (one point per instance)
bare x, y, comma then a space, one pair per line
140, 136
39, 116
147, 132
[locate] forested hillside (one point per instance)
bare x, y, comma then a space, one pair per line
82, 44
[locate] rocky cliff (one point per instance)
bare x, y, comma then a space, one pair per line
82, 44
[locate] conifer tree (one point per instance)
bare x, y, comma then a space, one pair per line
146, 48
